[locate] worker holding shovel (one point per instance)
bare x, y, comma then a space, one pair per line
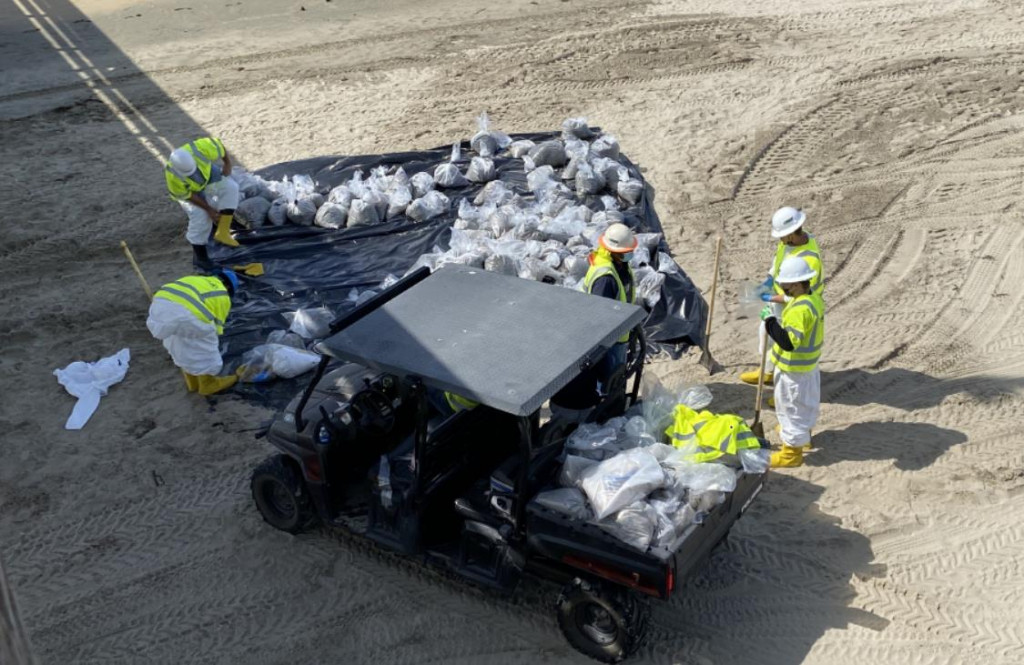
794, 241
798, 337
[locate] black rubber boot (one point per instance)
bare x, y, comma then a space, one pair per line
201, 258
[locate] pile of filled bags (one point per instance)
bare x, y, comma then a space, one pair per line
624, 477
519, 206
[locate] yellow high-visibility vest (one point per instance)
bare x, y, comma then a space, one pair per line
601, 264
803, 319
459, 403
715, 435
809, 252
205, 151
204, 296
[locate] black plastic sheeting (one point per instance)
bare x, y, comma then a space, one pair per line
309, 266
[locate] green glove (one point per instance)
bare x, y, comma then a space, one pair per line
766, 311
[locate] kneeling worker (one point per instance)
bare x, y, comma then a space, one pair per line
188, 316
798, 338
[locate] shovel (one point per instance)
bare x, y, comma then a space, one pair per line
145, 284
706, 360
757, 427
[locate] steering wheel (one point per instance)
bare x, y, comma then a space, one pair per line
377, 415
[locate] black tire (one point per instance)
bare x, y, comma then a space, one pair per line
603, 622
280, 495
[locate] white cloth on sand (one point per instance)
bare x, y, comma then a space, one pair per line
90, 381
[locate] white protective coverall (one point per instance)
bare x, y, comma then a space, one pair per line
797, 402
193, 344
222, 195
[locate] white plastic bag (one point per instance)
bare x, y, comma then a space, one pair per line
433, 204
576, 127
278, 213
331, 216
667, 264
481, 169
421, 183
313, 323
448, 175
696, 397
622, 480
253, 212
288, 362
494, 193
362, 213
287, 338
487, 142
574, 469
520, 148
605, 145
90, 381
567, 500
378, 200
648, 285
548, 153
630, 189
571, 169
399, 196
610, 170
503, 265
595, 441
634, 525
588, 181
302, 211
755, 460
340, 195
251, 186
540, 179
674, 517
750, 303
697, 477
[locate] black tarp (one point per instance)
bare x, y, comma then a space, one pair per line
309, 266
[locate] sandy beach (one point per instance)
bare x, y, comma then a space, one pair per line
895, 125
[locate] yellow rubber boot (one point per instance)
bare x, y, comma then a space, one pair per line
191, 382
810, 442
211, 385
751, 378
223, 234
788, 457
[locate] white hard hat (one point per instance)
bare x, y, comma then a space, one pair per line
795, 270
786, 220
618, 238
182, 162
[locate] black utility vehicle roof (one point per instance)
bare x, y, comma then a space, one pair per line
506, 342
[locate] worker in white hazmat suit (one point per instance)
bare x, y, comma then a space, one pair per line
188, 316
197, 176
798, 337
794, 240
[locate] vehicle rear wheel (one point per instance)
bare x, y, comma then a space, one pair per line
280, 495
602, 622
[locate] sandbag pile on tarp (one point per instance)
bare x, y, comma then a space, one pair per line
531, 205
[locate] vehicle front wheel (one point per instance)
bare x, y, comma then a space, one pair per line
281, 496
602, 622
